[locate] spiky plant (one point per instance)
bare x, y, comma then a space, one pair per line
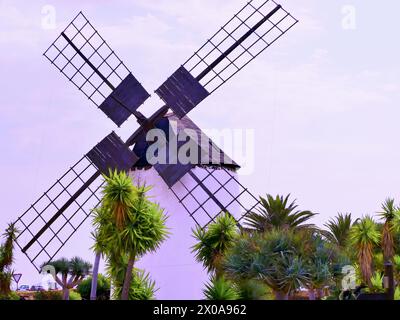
221, 289
76, 268
364, 236
142, 287
142, 228
119, 195
273, 257
214, 242
388, 214
339, 229
278, 213
376, 283
7, 259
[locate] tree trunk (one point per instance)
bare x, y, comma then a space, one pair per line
279, 295
65, 293
93, 290
128, 278
311, 294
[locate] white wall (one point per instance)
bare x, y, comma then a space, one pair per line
173, 266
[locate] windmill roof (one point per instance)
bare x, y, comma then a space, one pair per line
215, 157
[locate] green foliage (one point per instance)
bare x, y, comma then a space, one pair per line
141, 287
365, 233
10, 296
376, 283
48, 295
378, 261
119, 196
221, 289
364, 236
274, 257
253, 290
7, 259
144, 226
278, 213
388, 210
103, 288
73, 295
397, 294
339, 229
75, 266
215, 241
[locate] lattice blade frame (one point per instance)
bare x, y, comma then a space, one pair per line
49, 244
242, 22
224, 185
86, 59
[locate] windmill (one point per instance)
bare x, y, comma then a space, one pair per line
89, 63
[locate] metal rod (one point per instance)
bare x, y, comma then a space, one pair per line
62, 209
139, 116
87, 61
237, 43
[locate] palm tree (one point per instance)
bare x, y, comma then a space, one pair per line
76, 268
364, 235
339, 229
132, 226
278, 213
388, 215
214, 242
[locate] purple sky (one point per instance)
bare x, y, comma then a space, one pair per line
323, 101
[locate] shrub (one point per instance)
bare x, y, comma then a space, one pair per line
11, 296
73, 295
48, 295
103, 288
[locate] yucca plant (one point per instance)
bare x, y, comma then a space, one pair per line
132, 226
213, 242
142, 287
278, 213
364, 236
388, 214
221, 289
118, 195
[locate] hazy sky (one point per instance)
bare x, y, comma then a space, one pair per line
323, 101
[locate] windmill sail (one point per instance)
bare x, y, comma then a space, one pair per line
55, 217
86, 59
252, 30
